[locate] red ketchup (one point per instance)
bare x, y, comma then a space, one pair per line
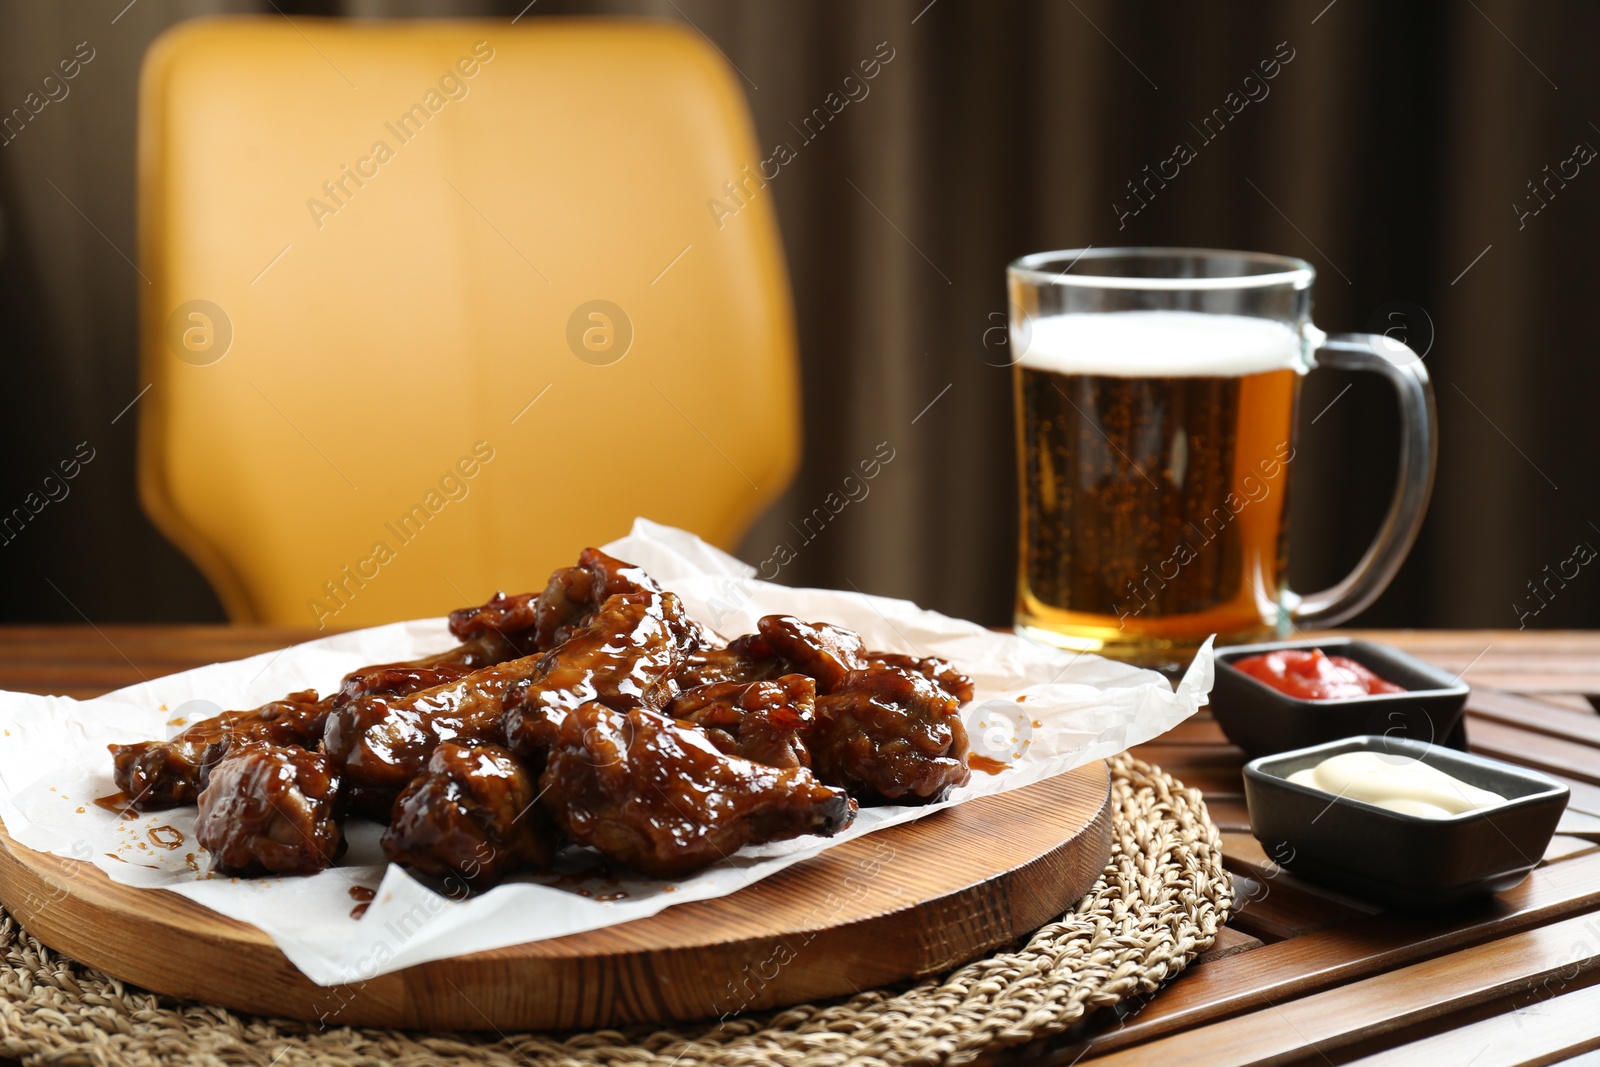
1313, 675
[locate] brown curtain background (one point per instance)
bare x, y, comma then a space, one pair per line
1389, 152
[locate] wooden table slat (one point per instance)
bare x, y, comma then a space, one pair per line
1578, 703
1540, 751
1536, 716
1548, 1030
1280, 909
1229, 942
1338, 1017
1586, 1059
1563, 847
1229, 813
1199, 729
1243, 853
1574, 821
1287, 969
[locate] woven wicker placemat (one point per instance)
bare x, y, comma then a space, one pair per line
1159, 904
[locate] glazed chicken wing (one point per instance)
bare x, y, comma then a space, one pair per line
745, 659
270, 809
625, 654
382, 742
501, 614
764, 721
824, 651
538, 622
886, 726
658, 796
940, 672
473, 813
626, 657
888, 735
398, 679
164, 774
574, 594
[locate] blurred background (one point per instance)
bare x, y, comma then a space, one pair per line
1407, 152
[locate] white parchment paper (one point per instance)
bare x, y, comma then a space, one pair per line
1039, 710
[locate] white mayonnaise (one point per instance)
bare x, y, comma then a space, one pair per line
1159, 344
1399, 783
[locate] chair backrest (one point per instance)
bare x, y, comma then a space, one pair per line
428, 307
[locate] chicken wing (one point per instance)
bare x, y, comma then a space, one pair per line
270, 809
473, 813
574, 594
398, 679
164, 774
764, 721
625, 657
824, 651
500, 614
537, 622
627, 651
745, 659
889, 736
939, 671
382, 742
658, 796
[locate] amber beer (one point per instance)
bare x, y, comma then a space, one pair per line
1154, 453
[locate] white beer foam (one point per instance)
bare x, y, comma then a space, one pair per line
1160, 344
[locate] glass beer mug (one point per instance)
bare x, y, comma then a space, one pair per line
1157, 392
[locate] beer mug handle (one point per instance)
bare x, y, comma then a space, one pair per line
1419, 446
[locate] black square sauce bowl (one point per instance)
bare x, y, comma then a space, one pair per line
1406, 861
1261, 720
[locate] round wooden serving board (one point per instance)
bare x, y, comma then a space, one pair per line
909, 901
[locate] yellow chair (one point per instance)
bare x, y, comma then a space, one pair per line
431, 306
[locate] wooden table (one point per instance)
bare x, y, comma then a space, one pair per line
1300, 975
